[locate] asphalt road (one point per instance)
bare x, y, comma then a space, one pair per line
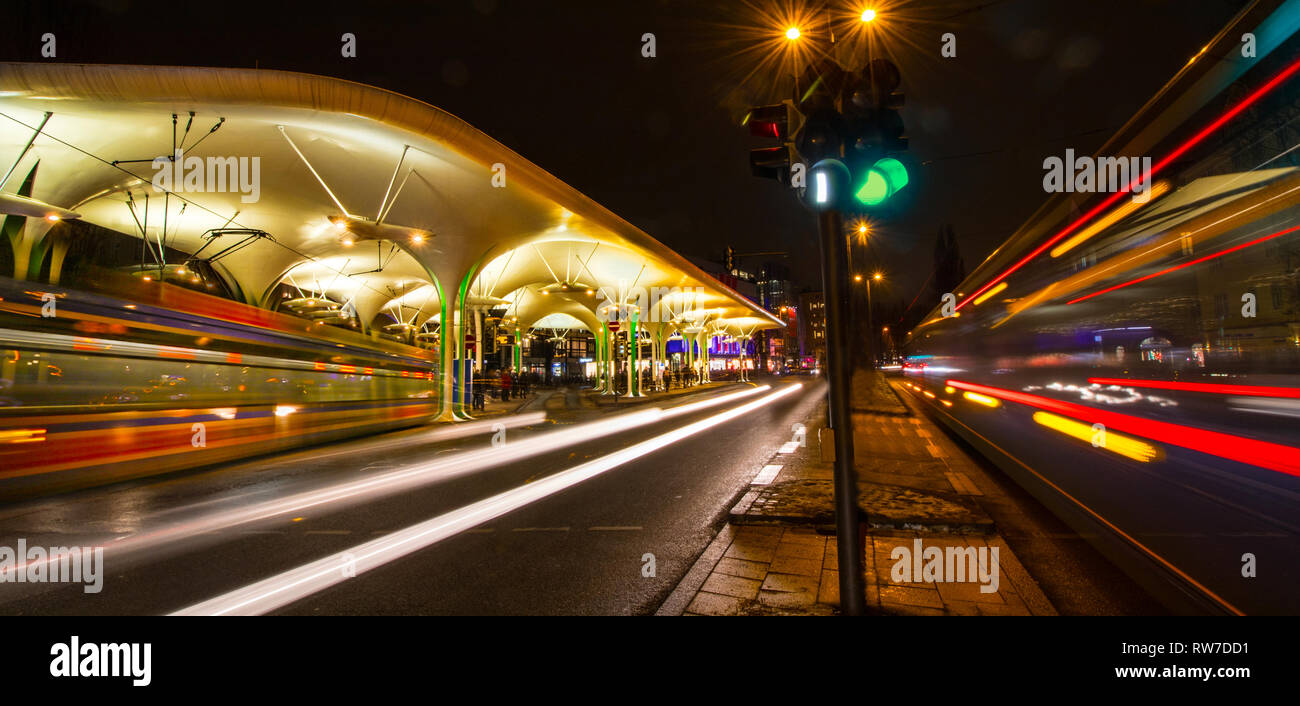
582, 550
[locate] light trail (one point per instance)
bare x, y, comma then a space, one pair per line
404, 479
1214, 388
1191, 142
1110, 441
285, 588
1175, 268
1252, 452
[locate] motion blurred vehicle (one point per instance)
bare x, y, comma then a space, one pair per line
150, 378
1136, 363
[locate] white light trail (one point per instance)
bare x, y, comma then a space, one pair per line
409, 477
295, 584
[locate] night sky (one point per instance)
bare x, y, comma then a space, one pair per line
658, 140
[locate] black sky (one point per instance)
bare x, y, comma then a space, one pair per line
657, 140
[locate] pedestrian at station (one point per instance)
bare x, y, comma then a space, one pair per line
506, 385
476, 385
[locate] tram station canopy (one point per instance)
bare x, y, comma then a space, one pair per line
365, 196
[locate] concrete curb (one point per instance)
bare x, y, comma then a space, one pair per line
690, 584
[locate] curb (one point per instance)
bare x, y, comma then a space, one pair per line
694, 579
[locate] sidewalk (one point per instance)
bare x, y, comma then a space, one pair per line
493, 407
557, 399
777, 554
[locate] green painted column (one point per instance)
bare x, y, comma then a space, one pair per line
461, 350
704, 357
600, 352
689, 355
445, 411
635, 339
458, 317
611, 370
606, 355
519, 352
656, 353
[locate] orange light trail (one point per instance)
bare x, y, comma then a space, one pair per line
1158, 166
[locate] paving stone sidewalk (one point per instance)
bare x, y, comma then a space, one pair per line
777, 554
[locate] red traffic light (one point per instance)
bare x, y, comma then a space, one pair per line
770, 121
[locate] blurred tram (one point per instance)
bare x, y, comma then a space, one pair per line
98, 387
1135, 363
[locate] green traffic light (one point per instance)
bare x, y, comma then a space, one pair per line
875, 191
884, 179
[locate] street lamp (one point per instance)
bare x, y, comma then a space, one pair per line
871, 353
792, 33
868, 15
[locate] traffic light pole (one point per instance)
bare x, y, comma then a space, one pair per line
847, 526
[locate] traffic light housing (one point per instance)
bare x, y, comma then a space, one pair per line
875, 130
852, 120
775, 122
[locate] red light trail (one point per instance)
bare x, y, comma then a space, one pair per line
1264, 454
1197, 261
1178, 152
1214, 388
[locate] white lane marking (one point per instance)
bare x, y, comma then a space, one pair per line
615, 528
298, 583
935, 451
766, 475
540, 529
788, 447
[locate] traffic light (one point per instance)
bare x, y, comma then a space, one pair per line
828, 185
729, 259
822, 136
852, 121
880, 181
817, 96
871, 103
776, 122
885, 80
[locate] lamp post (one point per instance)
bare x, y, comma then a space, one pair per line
871, 328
